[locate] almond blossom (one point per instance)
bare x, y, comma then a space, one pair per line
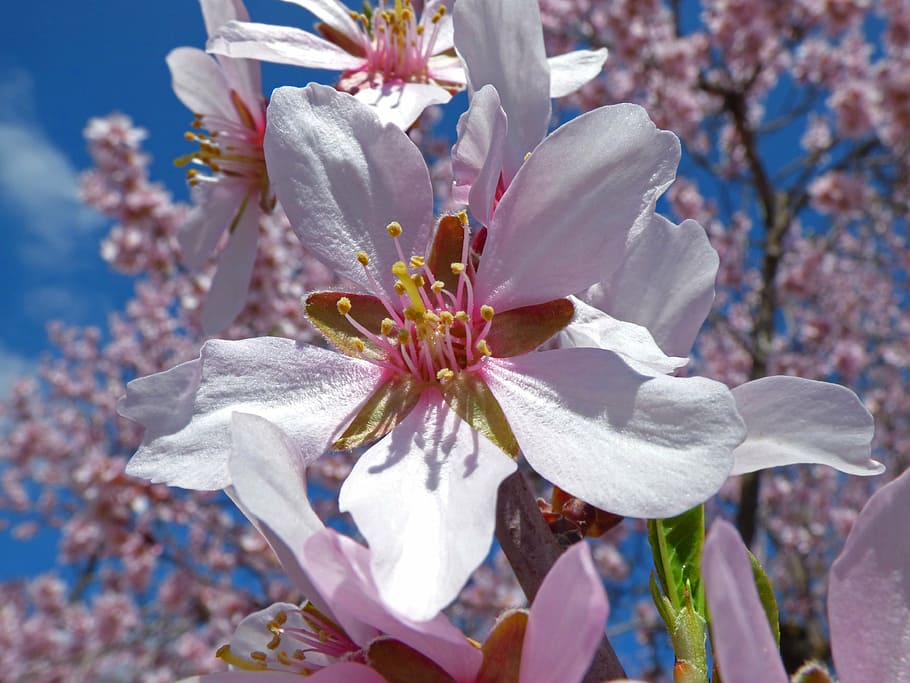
438, 358
227, 173
344, 627
868, 600
390, 58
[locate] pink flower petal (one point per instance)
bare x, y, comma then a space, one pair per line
340, 570
342, 176
243, 75
268, 472
424, 498
592, 328
343, 672
478, 153
551, 236
570, 71
281, 45
215, 205
795, 420
631, 444
307, 391
566, 622
869, 591
665, 282
227, 294
744, 647
335, 14
514, 61
199, 83
402, 103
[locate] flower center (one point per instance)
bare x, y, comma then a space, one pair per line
230, 150
396, 46
435, 329
302, 641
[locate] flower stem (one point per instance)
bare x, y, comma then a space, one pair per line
531, 549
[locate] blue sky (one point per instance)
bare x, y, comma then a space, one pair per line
60, 64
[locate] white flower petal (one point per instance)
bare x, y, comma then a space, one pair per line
796, 420
402, 103
635, 445
570, 71
307, 391
342, 176
424, 498
335, 14
199, 83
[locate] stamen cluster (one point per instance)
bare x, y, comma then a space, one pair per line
303, 641
435, 330
396, 48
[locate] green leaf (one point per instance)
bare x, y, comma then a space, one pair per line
471, 399
521, 330
677, 544
664, 608
766, 595
388, 405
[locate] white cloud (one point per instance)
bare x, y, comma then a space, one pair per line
12, 367
38, 184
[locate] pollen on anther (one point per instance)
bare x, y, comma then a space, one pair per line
447, 318
462, 317
387, 326
418, 280
438, 286
445, 375
404, 336
258, 656
483, 347
457, 268
417, 261
359, 345
463, 217
343, 305
486, 312
394, 228
363, 258
399, 288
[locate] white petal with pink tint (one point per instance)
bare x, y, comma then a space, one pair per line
869, 591
744, 647
570, 71
566, 622
199, 83
343, 672
231, 283
334, 13
215, 206
402, 103
280, 44
307, 391
551, 235
796, 420
635, 445
665, 282
342, 176
340, 570
477, 155
594, 329
424, 498
216, 13
501, 44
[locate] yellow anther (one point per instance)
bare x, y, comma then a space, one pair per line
400, 270
258, 656
483, 347
190, 136
417, 261
399, 288
387, 326
463, 217
403, 336
445, 375
420, 30
527, 156
462, 317
440, 13
393, 228
429, 316
438, 286
363, 258
447, 318
281, 618
197, 123
486, 312
274, 642
418, 280
343, 305
457, 268
283, 658
192, 173
358, 344
299, 655
354, 15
